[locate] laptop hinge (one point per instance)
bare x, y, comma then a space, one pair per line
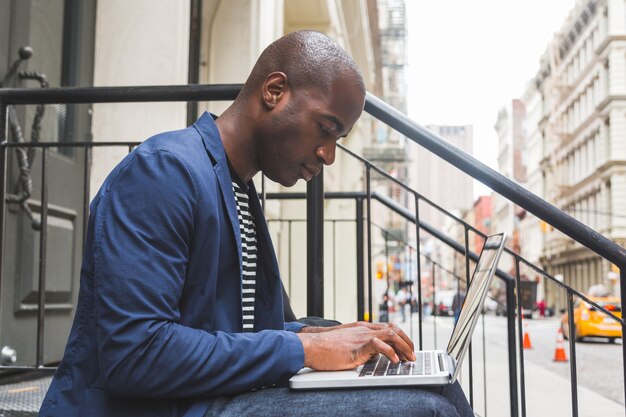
451, 365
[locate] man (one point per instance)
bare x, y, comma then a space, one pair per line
180, 308
457, 303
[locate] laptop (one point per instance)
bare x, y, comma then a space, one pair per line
432, 367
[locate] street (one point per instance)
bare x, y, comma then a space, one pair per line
548, 391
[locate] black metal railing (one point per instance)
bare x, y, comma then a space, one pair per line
398, 121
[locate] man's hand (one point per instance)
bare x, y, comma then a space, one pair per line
350, 345
320, 329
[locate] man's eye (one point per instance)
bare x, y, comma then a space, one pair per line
324, 130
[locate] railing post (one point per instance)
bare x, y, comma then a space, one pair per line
520, 330
3, 180
510, 320
467, 284
572, 353
435, 312
43, 243
386, 237
622, 291
368, 188
86, 190
360, 255
334, 230
315, 245
420, 307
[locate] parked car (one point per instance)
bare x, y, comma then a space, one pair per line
443, 302
591, 322
443, 310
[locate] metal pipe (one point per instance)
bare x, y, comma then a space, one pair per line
3, 185
434, 306
419, 272
360, 273
195, 44
368, 188
41, 145
43, 240
386, 238
86, 191
139, 94
484, 365
334, 223
458, 290
315, 245
289, 251
410, 292
572, 353
510, 321
622, 287
520, 334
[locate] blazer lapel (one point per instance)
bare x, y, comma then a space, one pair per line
213, 145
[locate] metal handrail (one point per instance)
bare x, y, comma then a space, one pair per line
380, 110
497, 182
374, 106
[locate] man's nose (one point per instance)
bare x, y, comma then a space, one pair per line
326, 154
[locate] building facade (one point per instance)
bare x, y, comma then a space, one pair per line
582, 130
483, 212
439, 181
511, 131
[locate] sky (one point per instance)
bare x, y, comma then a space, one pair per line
468, 59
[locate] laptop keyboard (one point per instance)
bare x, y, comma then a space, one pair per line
381, 366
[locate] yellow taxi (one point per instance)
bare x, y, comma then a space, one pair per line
591, 322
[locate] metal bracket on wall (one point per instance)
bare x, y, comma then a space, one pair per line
24, 183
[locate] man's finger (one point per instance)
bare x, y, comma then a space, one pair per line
381, 347
372, 326
391, 337
405, 337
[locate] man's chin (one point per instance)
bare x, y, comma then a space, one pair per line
289, 183
285, 182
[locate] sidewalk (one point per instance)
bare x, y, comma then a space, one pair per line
547, 394
23, 398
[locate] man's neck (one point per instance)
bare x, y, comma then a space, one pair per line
238, 141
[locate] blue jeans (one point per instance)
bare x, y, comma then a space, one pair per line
446, 401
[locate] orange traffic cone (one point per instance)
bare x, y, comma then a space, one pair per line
559, 353
527, 344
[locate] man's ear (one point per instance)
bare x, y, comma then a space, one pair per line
274, 88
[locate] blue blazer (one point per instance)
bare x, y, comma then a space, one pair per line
157, 329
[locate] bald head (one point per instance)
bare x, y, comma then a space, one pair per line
308, 58
303, 94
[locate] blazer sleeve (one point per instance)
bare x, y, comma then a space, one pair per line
143, 228
293, 326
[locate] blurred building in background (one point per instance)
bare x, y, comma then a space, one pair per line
439, 181
576, 124
483, 212
511, 130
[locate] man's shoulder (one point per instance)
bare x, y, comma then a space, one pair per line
186, 145
183, 142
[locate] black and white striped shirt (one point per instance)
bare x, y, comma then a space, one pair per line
248, 256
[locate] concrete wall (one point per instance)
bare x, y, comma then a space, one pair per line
143, 42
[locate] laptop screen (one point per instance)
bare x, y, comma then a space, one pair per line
475, 298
